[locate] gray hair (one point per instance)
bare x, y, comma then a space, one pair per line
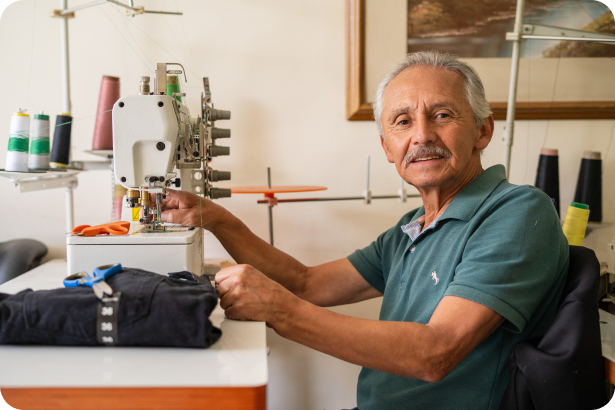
474, 90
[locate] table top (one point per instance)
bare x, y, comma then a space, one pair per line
238, 359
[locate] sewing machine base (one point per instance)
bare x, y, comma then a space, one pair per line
177, 249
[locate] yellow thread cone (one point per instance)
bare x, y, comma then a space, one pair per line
576, 223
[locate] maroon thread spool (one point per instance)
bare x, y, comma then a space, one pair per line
103, 130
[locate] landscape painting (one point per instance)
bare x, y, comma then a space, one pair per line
477, 28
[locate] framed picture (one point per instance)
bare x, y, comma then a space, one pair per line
557, 80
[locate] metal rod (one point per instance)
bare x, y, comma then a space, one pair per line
66, 11
70, 214
338, 198
66, 104
597, 40
173, 13
509, 129
270, 208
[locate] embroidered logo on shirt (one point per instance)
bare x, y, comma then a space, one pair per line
435, 277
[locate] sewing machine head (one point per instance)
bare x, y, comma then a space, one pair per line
156, 145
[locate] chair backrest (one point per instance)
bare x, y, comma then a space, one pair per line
563, 369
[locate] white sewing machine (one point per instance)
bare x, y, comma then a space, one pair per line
157, 146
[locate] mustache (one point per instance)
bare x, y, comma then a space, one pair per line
425, 150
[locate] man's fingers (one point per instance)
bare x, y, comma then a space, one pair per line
226, 273
171, 216
182, 199
226, 285
172, 200
226, 301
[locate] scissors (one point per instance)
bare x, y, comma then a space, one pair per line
96, 281
115, 228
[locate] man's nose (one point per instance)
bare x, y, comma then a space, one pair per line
423, 132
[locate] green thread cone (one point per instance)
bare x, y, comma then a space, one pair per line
173, 86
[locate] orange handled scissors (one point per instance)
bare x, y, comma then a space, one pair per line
115, 228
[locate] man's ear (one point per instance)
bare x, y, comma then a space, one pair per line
386, 150
485, 133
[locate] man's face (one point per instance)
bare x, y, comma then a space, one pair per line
429, 129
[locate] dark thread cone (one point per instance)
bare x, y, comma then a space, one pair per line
60, 151
589, 185
547, 175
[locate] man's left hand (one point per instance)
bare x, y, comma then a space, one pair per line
247, 294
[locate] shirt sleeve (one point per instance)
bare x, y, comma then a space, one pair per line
514, 257
369, 262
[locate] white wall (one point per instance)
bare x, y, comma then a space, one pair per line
279, 67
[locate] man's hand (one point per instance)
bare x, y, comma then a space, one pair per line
247, 294
187, 209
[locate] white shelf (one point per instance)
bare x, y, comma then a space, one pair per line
38, 180
105, 153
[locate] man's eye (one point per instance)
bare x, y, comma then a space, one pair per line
442, 115
403, 122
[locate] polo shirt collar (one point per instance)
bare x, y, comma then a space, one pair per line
467, 202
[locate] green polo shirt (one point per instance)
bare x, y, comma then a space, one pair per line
497, 244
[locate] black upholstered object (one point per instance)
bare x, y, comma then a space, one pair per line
19, 256
564, 368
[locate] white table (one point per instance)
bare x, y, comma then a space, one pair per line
231, 374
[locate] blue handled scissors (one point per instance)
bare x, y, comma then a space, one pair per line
96, 281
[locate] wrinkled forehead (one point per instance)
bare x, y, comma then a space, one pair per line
421, 84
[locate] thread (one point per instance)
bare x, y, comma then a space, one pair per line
103, 129
589, 184
118, 200
173, 86
39, 145
19, 137
60, 150
547, 175
576, 223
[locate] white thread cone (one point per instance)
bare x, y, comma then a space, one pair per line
19, 136
39, 149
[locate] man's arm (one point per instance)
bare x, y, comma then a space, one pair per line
427, 352
330, 284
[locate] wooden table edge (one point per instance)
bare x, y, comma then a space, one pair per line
609, 370
154, 398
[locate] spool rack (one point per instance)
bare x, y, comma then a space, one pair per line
523, 32
36, 180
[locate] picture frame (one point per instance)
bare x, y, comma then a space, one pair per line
359, 108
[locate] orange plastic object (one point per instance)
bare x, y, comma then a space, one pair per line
275, 189
115, 228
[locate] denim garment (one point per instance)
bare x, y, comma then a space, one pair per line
154, 310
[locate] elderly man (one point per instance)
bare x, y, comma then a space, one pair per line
480, 266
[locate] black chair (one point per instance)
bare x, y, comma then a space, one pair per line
19, 256
564, 368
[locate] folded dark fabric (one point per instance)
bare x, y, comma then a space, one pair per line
154, 310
